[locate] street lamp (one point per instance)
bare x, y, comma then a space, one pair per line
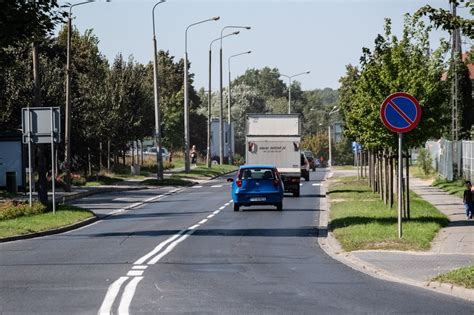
208, 156
229, 105
186, 93
159, 156
221, 98
289, 86
335, 109
67, 135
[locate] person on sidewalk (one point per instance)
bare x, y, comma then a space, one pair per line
468, 200
194, 156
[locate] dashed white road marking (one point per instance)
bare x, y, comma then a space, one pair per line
317, 184
134, 273
151, 258
216, 186
127, 296
197, 186
301, 184
139, 267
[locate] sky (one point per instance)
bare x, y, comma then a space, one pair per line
321, 36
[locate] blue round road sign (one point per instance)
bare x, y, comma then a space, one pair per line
400, 112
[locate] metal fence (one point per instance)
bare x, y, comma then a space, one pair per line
442, 154
468, 159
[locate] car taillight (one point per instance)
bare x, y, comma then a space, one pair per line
238, 182
295, 180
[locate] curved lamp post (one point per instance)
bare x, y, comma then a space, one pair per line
289, 86
159, 156
186, 93
229, 114
208, 156
221, 98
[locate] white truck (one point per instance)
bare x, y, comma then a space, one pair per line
274, 139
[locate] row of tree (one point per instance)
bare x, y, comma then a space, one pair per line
402, 64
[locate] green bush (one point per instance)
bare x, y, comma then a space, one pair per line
14, 209
78, 180
168, 165
424, 161
238, 159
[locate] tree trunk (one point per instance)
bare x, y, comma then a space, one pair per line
100, 157
390, 195
89, 164
408, 184
108, 156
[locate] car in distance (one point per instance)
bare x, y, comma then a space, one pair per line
304, 167
257, 185
312, 162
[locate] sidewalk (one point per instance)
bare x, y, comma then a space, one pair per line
452, 248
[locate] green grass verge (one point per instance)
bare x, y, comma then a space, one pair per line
360, 220
416, 172
65, 215
463, 277
453, 187
172, 181
344, 167
102, 180
206, 172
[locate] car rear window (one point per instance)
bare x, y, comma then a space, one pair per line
257, 173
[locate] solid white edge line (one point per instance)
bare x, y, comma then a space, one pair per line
127, 296
158, 247
169, 248
135, 273
112, 292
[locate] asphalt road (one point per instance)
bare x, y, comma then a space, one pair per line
187, 252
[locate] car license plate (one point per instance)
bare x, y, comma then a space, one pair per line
258, 199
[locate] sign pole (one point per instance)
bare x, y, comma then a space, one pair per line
400, 183
53, 177
30, 167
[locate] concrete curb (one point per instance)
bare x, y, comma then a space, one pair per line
333, 249
51, 232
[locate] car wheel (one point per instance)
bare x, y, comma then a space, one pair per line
236, 207
279, 206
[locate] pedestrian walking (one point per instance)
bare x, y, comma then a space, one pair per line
194, 155
468, 200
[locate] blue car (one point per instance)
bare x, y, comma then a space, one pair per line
257, 185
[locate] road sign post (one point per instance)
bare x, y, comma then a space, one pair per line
400, 112
41, 125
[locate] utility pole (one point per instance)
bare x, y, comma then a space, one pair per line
455, 59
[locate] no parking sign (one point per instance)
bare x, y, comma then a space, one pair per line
400, 113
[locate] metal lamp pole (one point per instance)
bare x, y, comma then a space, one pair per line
229, 115
221, 98
67, 135
210, 99
159, 156
186, 94
289, 86
334, 110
